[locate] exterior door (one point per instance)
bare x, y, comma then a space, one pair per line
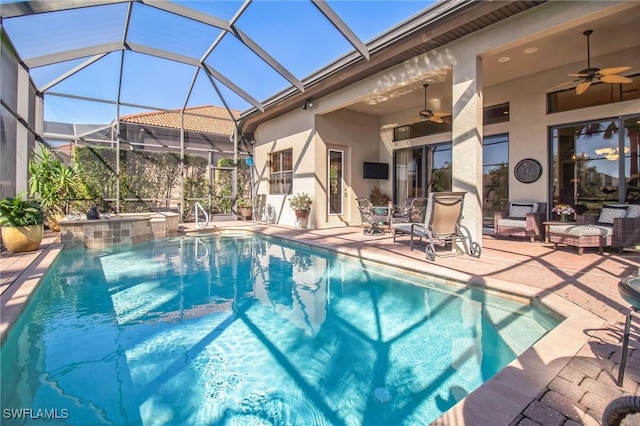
338, 210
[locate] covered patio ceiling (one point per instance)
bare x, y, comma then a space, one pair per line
544, 54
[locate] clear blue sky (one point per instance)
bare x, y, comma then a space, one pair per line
294, 32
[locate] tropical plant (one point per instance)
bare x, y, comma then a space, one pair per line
14, 211
333, 179
302, 261
244, 202
53, 182
378, 197
300, 201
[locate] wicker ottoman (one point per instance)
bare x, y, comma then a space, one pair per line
581, 236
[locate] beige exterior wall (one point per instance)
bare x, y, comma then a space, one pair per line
528, 127
358, 136
296, 131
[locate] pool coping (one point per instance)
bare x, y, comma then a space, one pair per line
17, 296
498, 401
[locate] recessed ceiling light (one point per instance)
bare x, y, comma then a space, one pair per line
530, 50
504, 59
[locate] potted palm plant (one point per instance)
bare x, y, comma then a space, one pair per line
301, 203
54, 183
22, 224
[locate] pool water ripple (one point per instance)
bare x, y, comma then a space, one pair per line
253, 331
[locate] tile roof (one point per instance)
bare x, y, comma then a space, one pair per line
203, 119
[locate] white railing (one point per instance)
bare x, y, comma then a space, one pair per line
197, 206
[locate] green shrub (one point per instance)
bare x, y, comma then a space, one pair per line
14, 211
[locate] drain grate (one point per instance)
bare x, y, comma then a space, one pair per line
382, 395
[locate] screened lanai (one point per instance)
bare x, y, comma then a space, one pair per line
96, 72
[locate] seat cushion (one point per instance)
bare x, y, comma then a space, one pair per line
520, 210
610, 212
406, 228
512, 223
633, 210
581, 230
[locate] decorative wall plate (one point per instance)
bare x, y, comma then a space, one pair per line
528, 170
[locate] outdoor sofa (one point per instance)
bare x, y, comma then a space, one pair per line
618, 225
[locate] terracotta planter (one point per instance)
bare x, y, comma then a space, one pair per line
20, 239
245, 212
301, 214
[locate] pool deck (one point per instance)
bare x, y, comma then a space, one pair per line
567, 379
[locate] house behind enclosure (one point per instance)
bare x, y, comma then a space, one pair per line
511, 129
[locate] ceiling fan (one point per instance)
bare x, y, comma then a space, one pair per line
591, 75
427, 114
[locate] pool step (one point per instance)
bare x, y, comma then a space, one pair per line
199, 232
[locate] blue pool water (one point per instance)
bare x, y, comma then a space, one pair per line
250, 331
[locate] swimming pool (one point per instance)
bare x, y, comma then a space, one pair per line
248, 330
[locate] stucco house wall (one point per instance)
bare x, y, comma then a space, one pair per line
357, 134
295, 131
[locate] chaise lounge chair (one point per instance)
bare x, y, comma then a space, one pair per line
441, 225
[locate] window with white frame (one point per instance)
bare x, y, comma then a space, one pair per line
281, 174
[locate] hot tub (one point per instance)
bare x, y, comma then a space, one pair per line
119, 229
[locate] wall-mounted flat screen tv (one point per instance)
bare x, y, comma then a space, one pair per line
375, 170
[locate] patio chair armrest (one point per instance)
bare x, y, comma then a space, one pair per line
497, 215
418, 227
583, 219
626, 231
534, 222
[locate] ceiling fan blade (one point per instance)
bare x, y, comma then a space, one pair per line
441, 114
615, 79
559, 86
581, 75
436, 119
616, 70
582, 87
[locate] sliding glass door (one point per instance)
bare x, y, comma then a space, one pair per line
596, 163
428, 168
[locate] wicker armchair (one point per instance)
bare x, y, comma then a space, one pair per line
517, 221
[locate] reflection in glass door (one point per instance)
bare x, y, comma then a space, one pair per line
594, 163
632, 160
335, 179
